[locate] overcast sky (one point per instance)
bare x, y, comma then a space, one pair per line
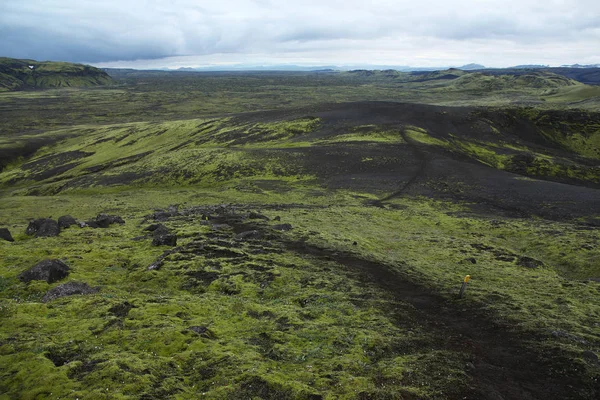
176, 33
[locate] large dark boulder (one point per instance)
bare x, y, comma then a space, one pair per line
153, 227
5, 235
43, 227
163, 237
69, 289
47, 270
105, 220
66, 221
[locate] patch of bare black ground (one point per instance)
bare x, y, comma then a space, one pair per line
412, 168
505, 362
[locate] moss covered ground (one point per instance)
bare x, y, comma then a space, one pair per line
358, 300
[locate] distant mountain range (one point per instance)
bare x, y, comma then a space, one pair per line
332, 68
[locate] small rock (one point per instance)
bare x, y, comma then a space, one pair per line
43, 227
255, 215
66, 221
162, 215
282, 227
248, 235
153, 227
105, 220
162, 237
47, 270
529, 262
472, 260
354, 243
589, 356
89, 224
69, 289
277, 218
155, 266
221, 227
5, 235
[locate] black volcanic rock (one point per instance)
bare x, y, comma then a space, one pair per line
47, 270
5, 235
43, 227
105, 220
282, 227
69, 289
66, 221
163, 237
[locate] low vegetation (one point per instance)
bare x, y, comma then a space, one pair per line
231, 236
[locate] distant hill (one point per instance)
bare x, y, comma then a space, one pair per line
471, 67
534, 80
29, 74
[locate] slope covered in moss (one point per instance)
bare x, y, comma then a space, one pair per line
30, 74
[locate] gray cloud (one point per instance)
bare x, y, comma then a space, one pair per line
311, 30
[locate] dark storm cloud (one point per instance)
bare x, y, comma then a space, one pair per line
110, 30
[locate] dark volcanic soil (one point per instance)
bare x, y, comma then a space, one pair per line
414, 168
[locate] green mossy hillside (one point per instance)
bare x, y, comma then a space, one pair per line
29, 74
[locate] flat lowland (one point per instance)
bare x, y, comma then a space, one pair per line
301, 236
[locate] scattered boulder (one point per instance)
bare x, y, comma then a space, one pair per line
5, 235
163, 215
529, 262
282, 227
249, 235
161, 230
66, 221
255, 215
153, 227
89, 224
105, 220
69, 289
163, 237
47, 270
43, 227
102, 221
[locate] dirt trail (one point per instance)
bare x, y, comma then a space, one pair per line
420, 155
504, 367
